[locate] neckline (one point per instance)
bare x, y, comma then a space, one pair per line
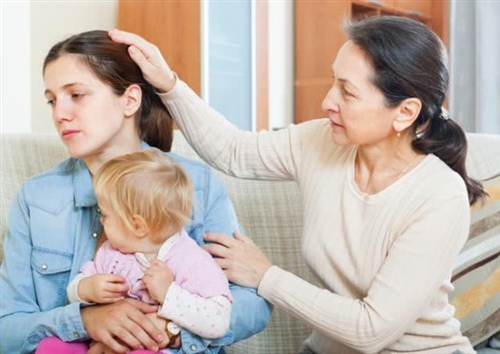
372, 198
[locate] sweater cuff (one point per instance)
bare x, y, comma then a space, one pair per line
174, 91
269, 281
72, 290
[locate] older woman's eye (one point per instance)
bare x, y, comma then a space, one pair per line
346, 92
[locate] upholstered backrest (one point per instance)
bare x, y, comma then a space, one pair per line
270, 213
476, 275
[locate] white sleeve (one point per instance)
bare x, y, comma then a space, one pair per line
206, 317
72, 290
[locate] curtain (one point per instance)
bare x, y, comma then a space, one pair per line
475, 64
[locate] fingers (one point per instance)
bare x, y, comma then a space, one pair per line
114, 278
142, 306
139, 57
217, 250
116, 288
158, 263
240, 237
221, 239
135, 330
149, 59
139, 49
131, 39
145, 330
113, 344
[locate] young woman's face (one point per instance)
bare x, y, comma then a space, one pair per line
88, 116
356, 107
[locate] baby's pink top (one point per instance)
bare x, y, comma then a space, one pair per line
193, 268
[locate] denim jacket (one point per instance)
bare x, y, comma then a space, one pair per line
54, 228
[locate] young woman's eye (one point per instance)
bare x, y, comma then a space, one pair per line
50, 102
77, 95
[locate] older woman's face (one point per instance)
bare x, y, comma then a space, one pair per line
87, 114
355, 106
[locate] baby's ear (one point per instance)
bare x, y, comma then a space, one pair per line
141, 228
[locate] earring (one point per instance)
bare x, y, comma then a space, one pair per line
399, 134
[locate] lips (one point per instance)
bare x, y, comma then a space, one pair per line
69, 133
335, 124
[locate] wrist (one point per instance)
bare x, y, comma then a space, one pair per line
170, 81
262, 273
80, 293
173, 331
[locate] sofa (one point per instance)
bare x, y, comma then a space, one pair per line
270, 213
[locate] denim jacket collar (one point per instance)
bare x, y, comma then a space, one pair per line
82, 186
82, 182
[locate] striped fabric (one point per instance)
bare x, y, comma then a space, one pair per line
476, 275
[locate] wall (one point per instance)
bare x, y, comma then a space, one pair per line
52, 21
280, 64
29, 29
15, 67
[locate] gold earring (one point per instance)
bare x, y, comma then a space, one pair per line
399, 134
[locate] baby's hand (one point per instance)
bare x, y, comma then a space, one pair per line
157, 279
102, 288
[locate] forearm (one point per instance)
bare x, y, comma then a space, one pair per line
22, 331
221, 144
249, 315
412, 276
206, 317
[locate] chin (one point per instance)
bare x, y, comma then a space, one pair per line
340, 140
78, 152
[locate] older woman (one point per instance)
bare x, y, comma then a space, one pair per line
383, 184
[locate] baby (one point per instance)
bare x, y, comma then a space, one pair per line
145, 199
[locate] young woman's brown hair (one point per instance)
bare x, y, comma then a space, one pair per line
112, 64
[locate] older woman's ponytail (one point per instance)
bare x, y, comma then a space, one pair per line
444, 138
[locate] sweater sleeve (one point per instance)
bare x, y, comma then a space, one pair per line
263, 155
417, 264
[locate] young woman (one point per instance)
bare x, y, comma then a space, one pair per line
384, 190
102, 107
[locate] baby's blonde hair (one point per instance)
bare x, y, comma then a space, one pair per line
149, 184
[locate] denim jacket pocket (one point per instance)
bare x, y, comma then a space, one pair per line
51, 269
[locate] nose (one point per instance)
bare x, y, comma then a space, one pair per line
61, 111
330, 101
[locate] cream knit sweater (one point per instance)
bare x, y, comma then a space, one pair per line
384, 260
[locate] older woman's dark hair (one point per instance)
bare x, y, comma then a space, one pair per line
410, 61
111, 63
